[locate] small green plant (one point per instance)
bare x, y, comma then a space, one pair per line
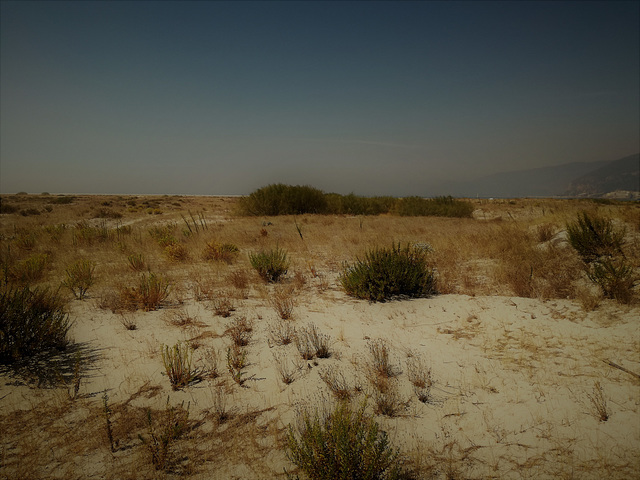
152, 290
177, 363
80, 277
342, 444
236, 363
270, 265
31, 322
136, 262
387, 273
107, 417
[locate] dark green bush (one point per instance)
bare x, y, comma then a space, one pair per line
614, 276
356, 205
31, 322
594, 237
271, 264
600, 245
280, 199
343, 444
433, 207
385, 273
64, 200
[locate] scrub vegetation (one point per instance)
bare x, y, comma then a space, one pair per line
195, 278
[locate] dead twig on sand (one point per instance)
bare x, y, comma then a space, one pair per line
615, 365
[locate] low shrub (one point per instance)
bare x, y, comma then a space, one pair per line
342, 444
385, 273
31, 322
176, 252
163, 434
594, 237
80, 277
270, 265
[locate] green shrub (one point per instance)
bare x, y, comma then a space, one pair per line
80, 277
31, 322
177, 364
31, 269
594, 237
280, 199
600, 245
270, 265
434, 207
385, 273
356, 205
343, 444
63, 200
615, 277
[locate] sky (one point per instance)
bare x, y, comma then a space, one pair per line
375, 98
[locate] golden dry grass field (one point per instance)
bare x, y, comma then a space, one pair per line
519, 367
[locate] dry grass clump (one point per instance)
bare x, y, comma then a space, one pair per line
282, 332
338, 384
221, 252
223, 305
162, 434
282, 302
240, 331
311, 343
286, 367
151, 292
380, 362
420, 377
599, 403
236, 363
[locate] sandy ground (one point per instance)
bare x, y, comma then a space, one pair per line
514, 393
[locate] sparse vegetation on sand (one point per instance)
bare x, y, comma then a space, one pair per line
507, 352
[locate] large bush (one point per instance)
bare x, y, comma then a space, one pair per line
385, 273
280, 199
31, 322
270, 264
433, 207
343, 444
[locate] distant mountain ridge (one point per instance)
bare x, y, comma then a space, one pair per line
576, 179
619, 175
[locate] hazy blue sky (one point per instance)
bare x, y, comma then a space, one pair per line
369, 97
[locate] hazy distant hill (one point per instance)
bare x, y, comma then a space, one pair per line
619, 175
537, 182
569, 179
